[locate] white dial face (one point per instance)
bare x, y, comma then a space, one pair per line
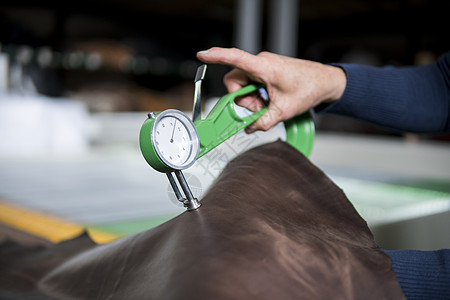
175, 140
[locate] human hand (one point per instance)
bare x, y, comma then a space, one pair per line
294, 85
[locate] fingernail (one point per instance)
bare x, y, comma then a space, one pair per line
249, 129
203, 52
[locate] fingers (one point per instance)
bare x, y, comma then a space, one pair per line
248, 68
250, 102
235, 80
243, 73
269, 119
232, 57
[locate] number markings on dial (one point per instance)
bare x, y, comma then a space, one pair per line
173, 140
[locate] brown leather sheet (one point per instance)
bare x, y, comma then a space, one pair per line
272, 226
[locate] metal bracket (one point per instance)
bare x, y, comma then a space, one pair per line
197, 110
190, 202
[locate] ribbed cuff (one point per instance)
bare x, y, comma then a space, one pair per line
422, 274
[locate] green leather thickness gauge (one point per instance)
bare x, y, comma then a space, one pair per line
170, 141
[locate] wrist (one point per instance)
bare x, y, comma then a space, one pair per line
337, 81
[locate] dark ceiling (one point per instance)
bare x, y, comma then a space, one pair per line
186, 26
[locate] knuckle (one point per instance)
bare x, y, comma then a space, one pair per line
227, 77
263, 53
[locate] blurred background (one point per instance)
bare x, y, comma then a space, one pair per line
77, 79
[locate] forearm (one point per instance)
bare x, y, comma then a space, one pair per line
411, 99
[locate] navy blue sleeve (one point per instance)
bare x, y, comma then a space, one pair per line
406, 99
422, 274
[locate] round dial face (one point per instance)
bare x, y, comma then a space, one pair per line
175, 139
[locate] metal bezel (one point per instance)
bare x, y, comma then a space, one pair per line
193, 135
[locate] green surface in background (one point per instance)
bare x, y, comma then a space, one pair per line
376, 201
438, 185
373, 200
127, 228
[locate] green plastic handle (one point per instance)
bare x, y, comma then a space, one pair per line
223, 122
300, 132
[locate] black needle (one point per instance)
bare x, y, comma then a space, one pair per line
173, 131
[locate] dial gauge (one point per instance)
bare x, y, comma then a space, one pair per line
175, 139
